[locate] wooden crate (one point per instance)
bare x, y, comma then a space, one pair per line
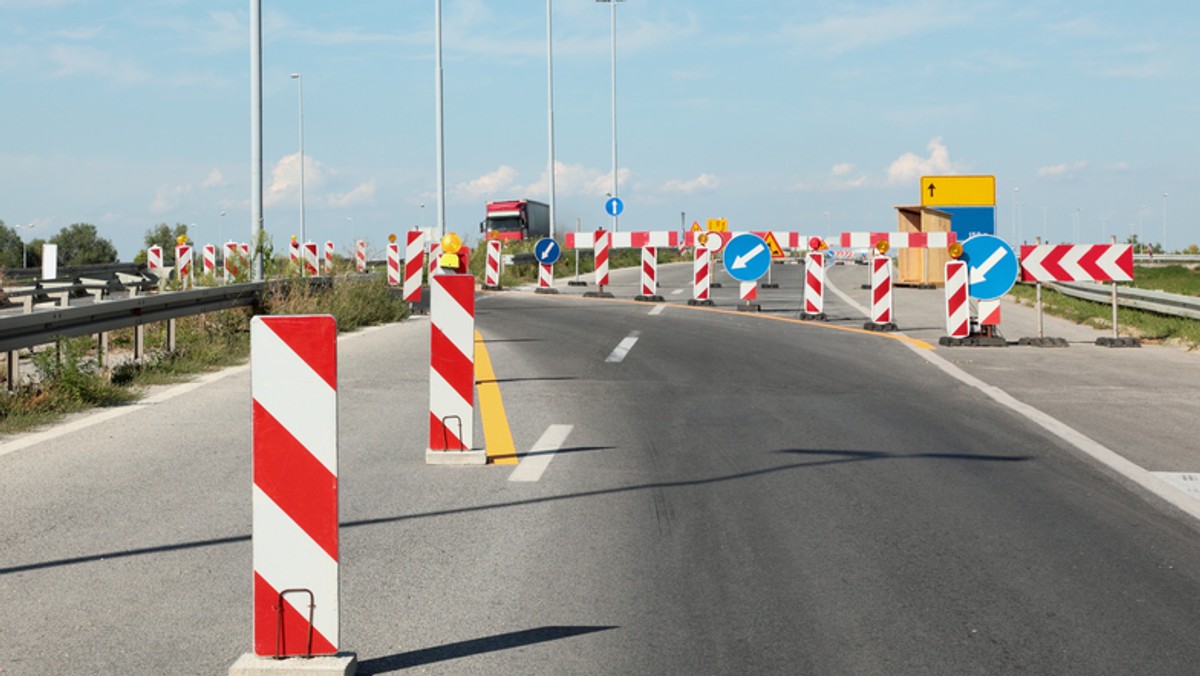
921, 267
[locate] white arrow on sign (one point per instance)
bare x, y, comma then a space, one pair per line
740, 261
546, 253
979, 274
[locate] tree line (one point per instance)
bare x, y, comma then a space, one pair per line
79, 244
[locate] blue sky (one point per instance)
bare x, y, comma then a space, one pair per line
809, 116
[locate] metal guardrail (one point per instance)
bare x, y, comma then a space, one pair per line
1166, 258
1142, 299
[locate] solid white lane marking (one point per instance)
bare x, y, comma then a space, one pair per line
676, 292
1188, 482
657, 309
623, 348
847, 299
534, 463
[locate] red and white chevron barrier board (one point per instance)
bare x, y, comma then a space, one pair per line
649, 271
989, 313
958, 306
491, 274
230, 264
293, 382
545, 276
600, 246
183, 264
360, 256
393, 263
792, 241
814, 284
881, 290
1077, 263
414, 265
329, 258
154, 258
701, 273
452, 362
294, 256
310, 259
898, 240
623, 240
843, 254
210, 259
748, 291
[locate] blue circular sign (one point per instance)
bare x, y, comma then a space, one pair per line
747, 257
547, 251
614, 206
992, 266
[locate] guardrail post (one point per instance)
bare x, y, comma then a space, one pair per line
13, 369
102, 349
139, 342
170, 335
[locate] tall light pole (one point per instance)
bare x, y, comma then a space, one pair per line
441, 137
221, 231
256, 144
24, 246
613, 7
300, 111
550, 106
422, 216
1164, 242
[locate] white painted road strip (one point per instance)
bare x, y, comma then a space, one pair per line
623, 348
657, 309
676, 292
534, 463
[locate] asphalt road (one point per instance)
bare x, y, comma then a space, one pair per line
738, 494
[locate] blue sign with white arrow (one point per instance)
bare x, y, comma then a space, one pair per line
747, 257
547, 251
992, 266
614, 206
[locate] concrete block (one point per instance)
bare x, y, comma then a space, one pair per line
249, 664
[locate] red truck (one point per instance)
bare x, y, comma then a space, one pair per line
516, 220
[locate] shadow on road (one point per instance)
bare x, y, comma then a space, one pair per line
478, 646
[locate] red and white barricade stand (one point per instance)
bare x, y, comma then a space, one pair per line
958, 305
154, 259
183, 265
600, 247
393, 264
452, 371
898, 240
414, 265
545, 278
748, 291
989, 313
491, 275
245, 249
881, 295
230, 263
294, 257
701, 276
210, 260
329, 258
293, 382
435, 253
814, 286
310, 259
650, 275
360, 256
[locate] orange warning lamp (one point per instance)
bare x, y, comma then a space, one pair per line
181, 240
882, 246
955, 250
392, 238
815, 243
451, 243
824, 245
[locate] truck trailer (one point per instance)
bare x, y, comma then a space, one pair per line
516, 220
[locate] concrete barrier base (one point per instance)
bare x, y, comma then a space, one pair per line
342, 664
433, 457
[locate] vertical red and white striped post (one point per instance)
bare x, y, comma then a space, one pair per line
814, 286
881, 295
154, 258
230, 264
183, 265
958, 305
310, 259
414, 265
600, 247
491, 274
546, 278
293, 382
989, 313
393, 264
748, 291
210, 260
360, 256
650, 275
329, 258
435, 253
701, 275
452, 371
294, 257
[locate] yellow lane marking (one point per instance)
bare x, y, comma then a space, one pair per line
496, 434
915, 342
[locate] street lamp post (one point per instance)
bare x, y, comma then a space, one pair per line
439, 115
1164, 242
613, 8
221, 231
550, 109
300, 112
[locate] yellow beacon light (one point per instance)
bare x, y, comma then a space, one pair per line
392, 238
451, 243
955, 250
882, 247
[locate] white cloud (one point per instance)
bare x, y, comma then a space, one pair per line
569, 179
841, 169
911, 167
77, 60
215, 179
488, 185
168, 198
1062, 170
702, 183
364, 193
861, 27
285, 178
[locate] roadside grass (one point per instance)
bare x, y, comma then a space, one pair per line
1170, 278
69, 379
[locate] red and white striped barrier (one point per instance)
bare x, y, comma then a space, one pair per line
814, 285
393, 264
231, 255
881, 290
1077, 263
245, 249
491, 275
701, 275
293, 382
310, 259
183, 265
545, 276
435, 253
748, 291
360, 256
792, 241
623, 240
600, 246
414, 265
452, 369
958, 306
649, 271
210, 260
329, 258
898, 240
294, 257
154, 258
989, 313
